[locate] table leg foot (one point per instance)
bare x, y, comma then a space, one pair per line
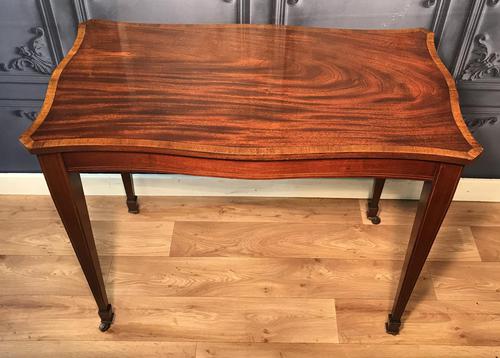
372, 212
107, 317
128, 184
133, 206
374, 219
104, 326
392, 325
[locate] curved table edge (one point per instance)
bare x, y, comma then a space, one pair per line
161, 147
476, 149
227, 152
25, 138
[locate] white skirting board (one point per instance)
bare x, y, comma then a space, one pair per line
182, 185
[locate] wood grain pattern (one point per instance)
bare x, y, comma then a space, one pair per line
50, 317
172, 319
127, 238
467, 280
237, 209
44, 275
216, 319
273, 350
461, 213
258, 277
435, 199
39, 237
27, 207
102, 162
52, 88
253, 92
38, 305
488, 242
93, 349
67, 194
256, 102
260, 239
463, 323
43, 237
156, 209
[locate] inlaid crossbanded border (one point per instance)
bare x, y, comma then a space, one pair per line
227, 152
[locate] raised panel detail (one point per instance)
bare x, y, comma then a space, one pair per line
486, 129
13, 156
163, 11
261, 11
359, 13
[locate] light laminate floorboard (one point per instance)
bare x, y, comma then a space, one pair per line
466, 280
45, 237
257, 350
258, 277
461, 213
44, 275
216, 319
97, 349
304, 240
247, 277
487, 241
461, 323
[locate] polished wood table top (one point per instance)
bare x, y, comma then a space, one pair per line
254, 102
253, 92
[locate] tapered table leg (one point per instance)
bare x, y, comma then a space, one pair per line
67, 193
372, 212
434, 203
128, 183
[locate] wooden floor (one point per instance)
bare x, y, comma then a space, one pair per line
247, 277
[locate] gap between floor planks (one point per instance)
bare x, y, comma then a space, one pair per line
123, 349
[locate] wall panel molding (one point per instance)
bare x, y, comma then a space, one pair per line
475, 122
30, 55
53, 36
81, 10
439, 20
243, 9
485, 63
279, 11
471, 28
439, 8
45, 37
26, 114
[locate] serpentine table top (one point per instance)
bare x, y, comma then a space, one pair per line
256, 102
253, 92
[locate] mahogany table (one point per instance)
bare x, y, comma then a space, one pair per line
254, 102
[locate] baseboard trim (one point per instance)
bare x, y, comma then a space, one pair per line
182, 185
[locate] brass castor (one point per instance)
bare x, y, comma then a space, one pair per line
104, 326
374, 219
107, 317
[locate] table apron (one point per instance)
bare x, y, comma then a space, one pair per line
111, 162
